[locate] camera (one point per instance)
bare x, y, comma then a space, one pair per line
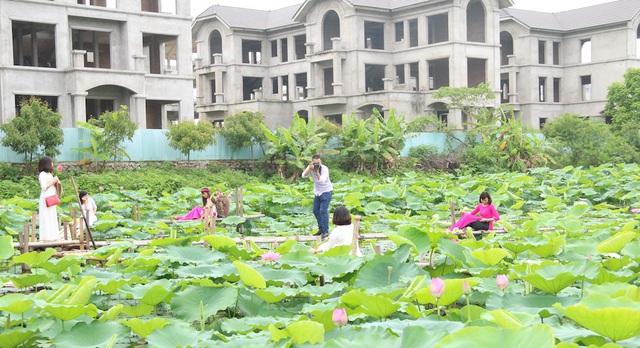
316, 165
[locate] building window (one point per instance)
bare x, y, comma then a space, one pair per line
159, 6
506, 47
161, 53
438, 73
541, 51
335, 119
400, 80
542, 89
274, 48
300, 42
330, 29
475, 22
50, 101
97, 107
399, 31
328, 81
213, 90
301, 86
476, 71
274, 86
374, 35
284, 46
413, 33
215, 44
249, 87
585, 82
585, 51
285, 88
414, 76
556, 53
556, 90
374, 75
504, 92
438, 28
98, 47
34, 44
99, 3
251, 52
541, 122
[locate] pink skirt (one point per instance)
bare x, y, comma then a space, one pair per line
195, 214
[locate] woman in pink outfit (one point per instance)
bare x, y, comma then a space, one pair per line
197, 213
484, 222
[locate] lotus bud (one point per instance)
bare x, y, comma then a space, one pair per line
466, 288
339, 317
437, 287
502, 281
100, 188
60, 167
635, 210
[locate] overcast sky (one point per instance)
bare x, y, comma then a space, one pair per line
197, 6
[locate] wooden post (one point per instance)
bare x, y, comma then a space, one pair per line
65, 229
377, 249
25, 239
34, 217
354, 240
74, 224
81, 235
453, 213
213, 224
135, 210
239, 208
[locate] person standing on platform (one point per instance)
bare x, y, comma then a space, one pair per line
322, 191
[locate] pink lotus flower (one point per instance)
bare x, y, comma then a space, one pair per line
502, 281
339, 317
635, 210
270, 256
121, 187
100, 188
466, 288
60, 167
437, 287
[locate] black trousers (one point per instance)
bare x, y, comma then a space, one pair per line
479, 225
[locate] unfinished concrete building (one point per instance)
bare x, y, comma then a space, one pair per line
334, 57
87, 56
552, 63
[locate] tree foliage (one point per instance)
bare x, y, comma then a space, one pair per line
188, 136
118, 128
243, 130
35, 131
583, 142
623, 99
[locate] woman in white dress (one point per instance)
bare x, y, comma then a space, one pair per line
89, 207
48, 218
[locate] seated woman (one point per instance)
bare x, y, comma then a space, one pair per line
197, 213
342, 234
89, 207
484, 222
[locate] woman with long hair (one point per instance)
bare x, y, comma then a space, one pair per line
49, 186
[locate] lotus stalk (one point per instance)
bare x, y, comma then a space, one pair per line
389, 269
201, 316
466, 290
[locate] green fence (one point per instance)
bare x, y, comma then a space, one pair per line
152, 145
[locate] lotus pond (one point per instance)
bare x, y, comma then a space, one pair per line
565, 274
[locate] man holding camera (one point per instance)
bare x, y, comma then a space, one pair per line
323, 191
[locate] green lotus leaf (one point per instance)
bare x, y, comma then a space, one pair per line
373, 208
57, 266
579, 209
111, 286
372, 305
452, 292
319, 293
193, 254
553, 278
275, 294
165, 242
186, 304
507, 320
16, 337
471, 313
68, 312
553, 247
377, 272
279, 277
27, 280
175, 335
15, 303
339, 250
112, 313
351, 339
34, 258
300, 332
286, 247
144, 328
538, 336
490, 257
227, 246
532, 304
248, 324
6, 247
616, 243
332, 267
617, 319
157, 294
632, 249
249, 276
140, 310
82, 292
517, 247
233, 220
400, 240
96, 334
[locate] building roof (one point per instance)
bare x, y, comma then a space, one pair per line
620, 11
237, 17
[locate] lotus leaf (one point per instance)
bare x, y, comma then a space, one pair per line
6, 247
376, 273
616, 243
538, 336
553, 278
82, 292
193, 254
186, 304
249, 276
248, 324
34, 258
322, 292
112, 313
27, 280
145, 328
278, 277
452, 292
174, 335
138, 311
16, 337
490, 257
15, 303
617, 319
300, 332
68, 312
372, 305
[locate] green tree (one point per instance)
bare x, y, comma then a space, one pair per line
623, 99
582, 142
189, 136
118, 127
244, 130
35, 131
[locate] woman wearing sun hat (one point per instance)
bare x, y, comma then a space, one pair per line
208, 202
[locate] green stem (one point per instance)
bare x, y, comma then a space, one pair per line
438, 307
468, 310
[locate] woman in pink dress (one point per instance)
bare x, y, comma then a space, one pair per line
483, 222
197, 213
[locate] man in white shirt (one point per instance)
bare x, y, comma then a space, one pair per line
323, 191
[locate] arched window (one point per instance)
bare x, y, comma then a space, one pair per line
475, 22
215, 44
330, 29
506, 47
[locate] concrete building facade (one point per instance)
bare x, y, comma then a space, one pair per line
87, 56
554, 63
333, 57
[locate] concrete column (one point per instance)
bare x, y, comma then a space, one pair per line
311, 81
388, 83
127, 5
310, 47
200, 54
336, 43
423, 73
292, 88
513, 80
219, 95
455, 118
407, 78
337, 75
78, 107
457, 16
217, 59
183, 8
139, 62
139, 110
422, 28
78, 58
